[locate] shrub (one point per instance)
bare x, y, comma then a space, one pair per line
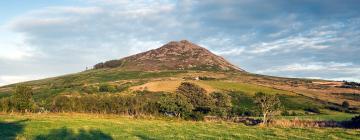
206, 78
345, 104
90, 89
313, 110
221, 99
112, 63
236, 111
219, 111
203, 109
23, 98
196, 95
99, 66
353, 123
239, 111
336, 108
175, 104
123, 87
196, 116
303, 123
6, 104
107, 88
285, 113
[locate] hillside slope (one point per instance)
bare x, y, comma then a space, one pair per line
181, 55
165, 68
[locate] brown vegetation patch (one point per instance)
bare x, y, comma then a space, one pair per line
169, 86
304, 123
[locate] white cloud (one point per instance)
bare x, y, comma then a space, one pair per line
294, 43
14, 52
230, 52
12, 47
73, 37
8, 79
312, 66
138, 46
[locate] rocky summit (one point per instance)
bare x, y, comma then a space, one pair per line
175, 55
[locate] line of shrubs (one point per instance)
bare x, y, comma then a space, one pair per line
108, 64
189, 102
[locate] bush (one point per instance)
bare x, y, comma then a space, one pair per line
203, 109
112, 63
336, 108
107, 88
175, 104
90, 89
22, 98
195, 116
206, 78
221, 99
108, 64
99, 66
313, 110
124, 86
6, 105
196, 95
239, 111
345, 104
353, 123
285, 113
219, 111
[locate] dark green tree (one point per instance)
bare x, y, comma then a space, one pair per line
197, 95
5, 104
176, 104
221, 99
23, 98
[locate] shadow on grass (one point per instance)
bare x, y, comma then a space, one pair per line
68, 134
9, 130
144, 137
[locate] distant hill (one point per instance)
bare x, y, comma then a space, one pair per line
158, 72
175, 55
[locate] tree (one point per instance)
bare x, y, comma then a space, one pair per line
268, 104
197, 95
5, 104
23, 98
222, 99
112, 63
176, 104
99, 66
345, 104
222, 104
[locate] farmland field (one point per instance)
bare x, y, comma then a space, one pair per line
85, 126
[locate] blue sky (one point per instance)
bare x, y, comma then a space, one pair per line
307, 38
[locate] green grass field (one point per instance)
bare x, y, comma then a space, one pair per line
250, 89
84, 126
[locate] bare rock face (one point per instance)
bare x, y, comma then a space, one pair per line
175, 55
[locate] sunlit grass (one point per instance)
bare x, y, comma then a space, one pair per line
160, 128
250, 89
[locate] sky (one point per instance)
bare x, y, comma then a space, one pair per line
299, 38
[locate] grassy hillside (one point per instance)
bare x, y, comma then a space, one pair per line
295, 94
62, 126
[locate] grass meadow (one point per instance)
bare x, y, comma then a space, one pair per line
85, 126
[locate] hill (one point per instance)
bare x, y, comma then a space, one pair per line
140, 81
181, 55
